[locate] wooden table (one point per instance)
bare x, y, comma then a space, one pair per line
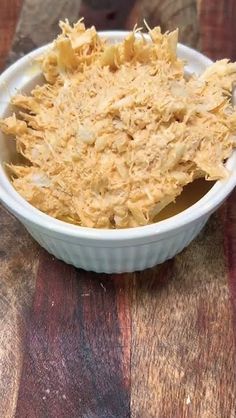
155, 344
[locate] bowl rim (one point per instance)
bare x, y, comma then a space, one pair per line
24, 210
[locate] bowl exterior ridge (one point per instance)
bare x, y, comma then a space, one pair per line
119, 259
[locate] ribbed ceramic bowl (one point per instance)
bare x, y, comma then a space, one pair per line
109, 251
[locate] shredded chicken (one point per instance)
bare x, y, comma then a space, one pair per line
116, 131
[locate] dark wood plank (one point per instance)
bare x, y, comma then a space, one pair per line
9, 14
17, 272
183, 352
77, 352
230, 247
18, 264
107, 14
218, 29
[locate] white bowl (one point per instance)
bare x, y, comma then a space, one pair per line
109, 251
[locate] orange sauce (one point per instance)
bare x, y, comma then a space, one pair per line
190, 195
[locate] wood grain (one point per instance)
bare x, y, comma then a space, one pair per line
172, 14
18, 263
230, 247
77, 355
183, 351
218, 29
17, 272
156, 344
39, 24
8, 17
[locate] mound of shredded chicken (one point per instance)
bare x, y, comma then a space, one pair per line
117, 130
